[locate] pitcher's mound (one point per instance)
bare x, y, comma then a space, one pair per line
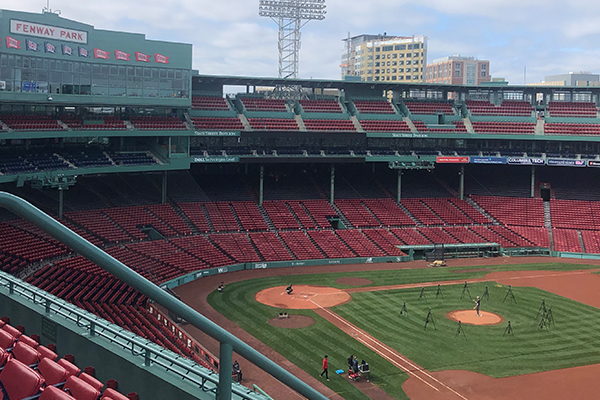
470, 317
303, 297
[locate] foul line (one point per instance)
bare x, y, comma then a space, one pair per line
375, 341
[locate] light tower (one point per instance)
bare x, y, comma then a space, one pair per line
290, 16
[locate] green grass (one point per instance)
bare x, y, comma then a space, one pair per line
573, 340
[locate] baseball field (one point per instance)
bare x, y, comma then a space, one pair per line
399, 321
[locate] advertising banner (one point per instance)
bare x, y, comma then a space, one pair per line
565, 162
47, 31
525, 161
453, 160
487, 160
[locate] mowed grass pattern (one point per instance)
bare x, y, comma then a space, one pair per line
571, 341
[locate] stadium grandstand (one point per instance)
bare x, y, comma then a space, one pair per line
176, 176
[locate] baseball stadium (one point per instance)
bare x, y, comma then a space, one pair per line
171, 235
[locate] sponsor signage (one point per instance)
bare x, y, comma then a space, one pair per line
462, 160
121, 55
139, 56
47, 31
99, 53
525, 161
487, 160
216, 133
565, 162
409, 135
216, 159
593, 163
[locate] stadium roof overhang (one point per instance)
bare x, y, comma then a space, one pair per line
344, 85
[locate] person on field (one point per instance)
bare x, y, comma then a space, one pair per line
355, 365
325, 368
237, 371
221, 287
289, 289
477, 304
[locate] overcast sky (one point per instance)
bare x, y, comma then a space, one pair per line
547, 37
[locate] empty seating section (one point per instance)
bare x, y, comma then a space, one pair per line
281, 215
330, 243
33, 122
237, 245
276, 124
320, 106
463, 234
514, 238
572, 109
150, 123
374, 107
429, 108
318, 211
301, 245
218, 124
504, 127
212, 103
420, 125
91, 157
566, 240
447, 211
358, 215
388, 212
575, 214
571, 129
470, 211
591, 241
329, 125
47, 378
378, 125
360, 244
537, 236
385, 240
410, 236
196, 215
511, 108
249, 216
134, 219
421, 212
164, 256
437, 235
270, 247
202, 249
221, 216
258, 104
168, 215
513, 210
100, 123
137, 158
99, 224
491, 236
459, 126
18, 244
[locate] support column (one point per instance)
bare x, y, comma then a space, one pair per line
532, 181
261, 184
461, 189
399, 187
225, 365
60, 203
164, 188
332, 185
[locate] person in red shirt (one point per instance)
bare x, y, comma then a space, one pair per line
325, 368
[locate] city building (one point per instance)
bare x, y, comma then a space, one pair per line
581, 78
457, 70
378, 58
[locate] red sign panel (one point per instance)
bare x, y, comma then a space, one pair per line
453, 160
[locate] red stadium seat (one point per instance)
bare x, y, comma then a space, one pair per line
7, 340
20, 381
80, 389
54, 393
26, 354
113, 394
71, 368
52, 372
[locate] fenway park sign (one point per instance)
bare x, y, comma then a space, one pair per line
47, 31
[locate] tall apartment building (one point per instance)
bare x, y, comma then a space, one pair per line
457, 70
378, 58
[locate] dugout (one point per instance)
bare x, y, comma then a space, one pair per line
462, 250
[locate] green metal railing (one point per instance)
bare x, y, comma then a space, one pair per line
228, 342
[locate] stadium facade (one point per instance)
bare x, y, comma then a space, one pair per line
118, 138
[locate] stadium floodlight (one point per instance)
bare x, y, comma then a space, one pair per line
290, 16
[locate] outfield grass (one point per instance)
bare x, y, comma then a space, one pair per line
573, 340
